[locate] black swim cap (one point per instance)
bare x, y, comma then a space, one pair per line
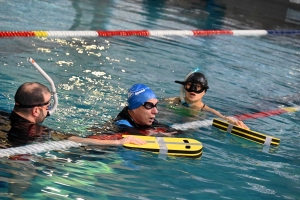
192, 80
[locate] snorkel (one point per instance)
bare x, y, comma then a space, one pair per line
53, 92
182, 90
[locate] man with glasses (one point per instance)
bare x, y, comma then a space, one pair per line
138, 118
32, 102
32, 105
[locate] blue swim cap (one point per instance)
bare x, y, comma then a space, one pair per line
138, 94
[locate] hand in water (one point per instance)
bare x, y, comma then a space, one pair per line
241, 124
237, 123
132, 140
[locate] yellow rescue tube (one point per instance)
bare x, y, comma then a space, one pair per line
246, 134
169, 146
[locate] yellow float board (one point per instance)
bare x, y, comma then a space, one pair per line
175, 146
244, 133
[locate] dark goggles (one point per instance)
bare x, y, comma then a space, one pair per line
35, 105
194, 87
149, 105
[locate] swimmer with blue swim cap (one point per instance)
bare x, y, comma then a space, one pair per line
192, 90
139, 116
141, 110
139, 95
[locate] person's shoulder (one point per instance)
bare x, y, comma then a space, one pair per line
4, 117
15, 117
123, 123
123, 114
206, 108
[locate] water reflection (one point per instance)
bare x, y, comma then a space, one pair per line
224, 14
91, 14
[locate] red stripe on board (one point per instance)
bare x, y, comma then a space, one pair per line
212, 32
17, 34
261, 114
123, 33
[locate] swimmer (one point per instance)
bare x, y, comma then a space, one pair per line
139, 116
195, 87
32, 106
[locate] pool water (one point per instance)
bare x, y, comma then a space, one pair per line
92, 75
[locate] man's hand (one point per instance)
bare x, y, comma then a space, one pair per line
132, 140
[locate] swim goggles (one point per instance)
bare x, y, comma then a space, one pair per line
35, 105
149, 105
196, 87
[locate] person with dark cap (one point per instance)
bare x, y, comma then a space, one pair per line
138, 118
193, 89
32, 106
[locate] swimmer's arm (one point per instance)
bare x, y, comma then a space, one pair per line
90, 141
230, 120
215, 112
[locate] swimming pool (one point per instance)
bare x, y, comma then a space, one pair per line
245, 75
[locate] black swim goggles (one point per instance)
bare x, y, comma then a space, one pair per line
150, 105
35, 105
196, 87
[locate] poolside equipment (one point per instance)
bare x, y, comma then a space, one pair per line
53, 92
246, 134
145, 33
169, 146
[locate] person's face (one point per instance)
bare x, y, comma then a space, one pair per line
44, 110
194, 97
145, 114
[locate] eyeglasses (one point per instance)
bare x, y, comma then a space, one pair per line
36, 105
149, 105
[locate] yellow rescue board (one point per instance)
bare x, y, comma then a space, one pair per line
246, 134
169, 146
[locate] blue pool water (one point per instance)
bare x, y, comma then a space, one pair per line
245, 75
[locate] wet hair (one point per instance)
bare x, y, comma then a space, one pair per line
30, 93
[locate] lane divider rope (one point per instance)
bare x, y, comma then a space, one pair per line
145, 33
39, 148
64, 144
262, 114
